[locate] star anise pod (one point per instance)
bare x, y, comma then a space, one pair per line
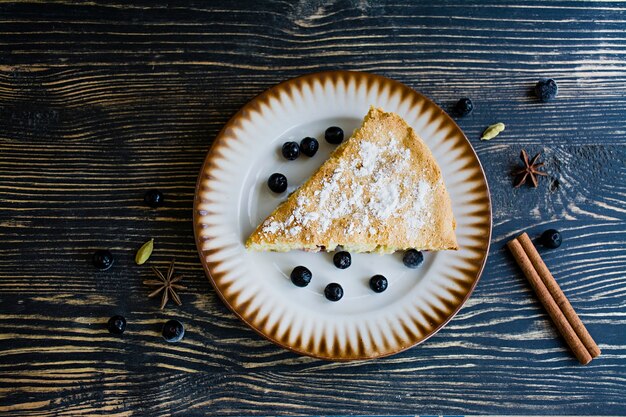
530, 170
167, 284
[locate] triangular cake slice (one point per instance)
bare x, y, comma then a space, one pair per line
379, 191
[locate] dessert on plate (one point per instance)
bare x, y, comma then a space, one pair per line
379, 191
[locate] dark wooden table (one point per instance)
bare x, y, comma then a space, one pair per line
101, 101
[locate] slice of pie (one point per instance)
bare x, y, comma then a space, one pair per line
379, 191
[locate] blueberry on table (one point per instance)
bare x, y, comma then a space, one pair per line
342, 260
173, 331
301, 276
551, 238
334, 135
102, 259
116, 325
291, 150
333, 292
412, 258
378, 283
277, 183
546, 89
153, 198
309, 146
464, 107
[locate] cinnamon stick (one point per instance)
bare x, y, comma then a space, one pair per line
558, 296
560, 321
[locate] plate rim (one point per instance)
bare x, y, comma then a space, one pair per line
254, 102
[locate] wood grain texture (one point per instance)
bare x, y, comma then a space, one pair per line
101, 101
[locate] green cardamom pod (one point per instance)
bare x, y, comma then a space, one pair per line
492, 131
144, 252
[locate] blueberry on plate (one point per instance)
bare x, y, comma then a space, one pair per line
291, 150
309, 146
277, 183
342, 260
464, 107
301, 276
102, 259
378, 283
334, 135
173, 331
116, 325
333, 292
546, 89
153, 198
551, 238
413, 258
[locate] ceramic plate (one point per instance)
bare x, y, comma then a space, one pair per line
232, 198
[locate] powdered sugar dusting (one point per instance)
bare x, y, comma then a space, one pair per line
363, 193
416, 215
272, 227
370, 154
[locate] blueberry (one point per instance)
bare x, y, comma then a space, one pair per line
551, 238
378, 283
173, 331
277, 183
334, 135
333, 292
413, 258
102, 259
464, 107
291, 150
546, 89
301, 276
309, 146
116, 325
342, 260
154, 198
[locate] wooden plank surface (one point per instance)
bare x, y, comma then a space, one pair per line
101, 101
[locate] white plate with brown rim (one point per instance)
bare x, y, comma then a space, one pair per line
232, 198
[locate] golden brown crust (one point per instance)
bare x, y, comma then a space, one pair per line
379, 191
